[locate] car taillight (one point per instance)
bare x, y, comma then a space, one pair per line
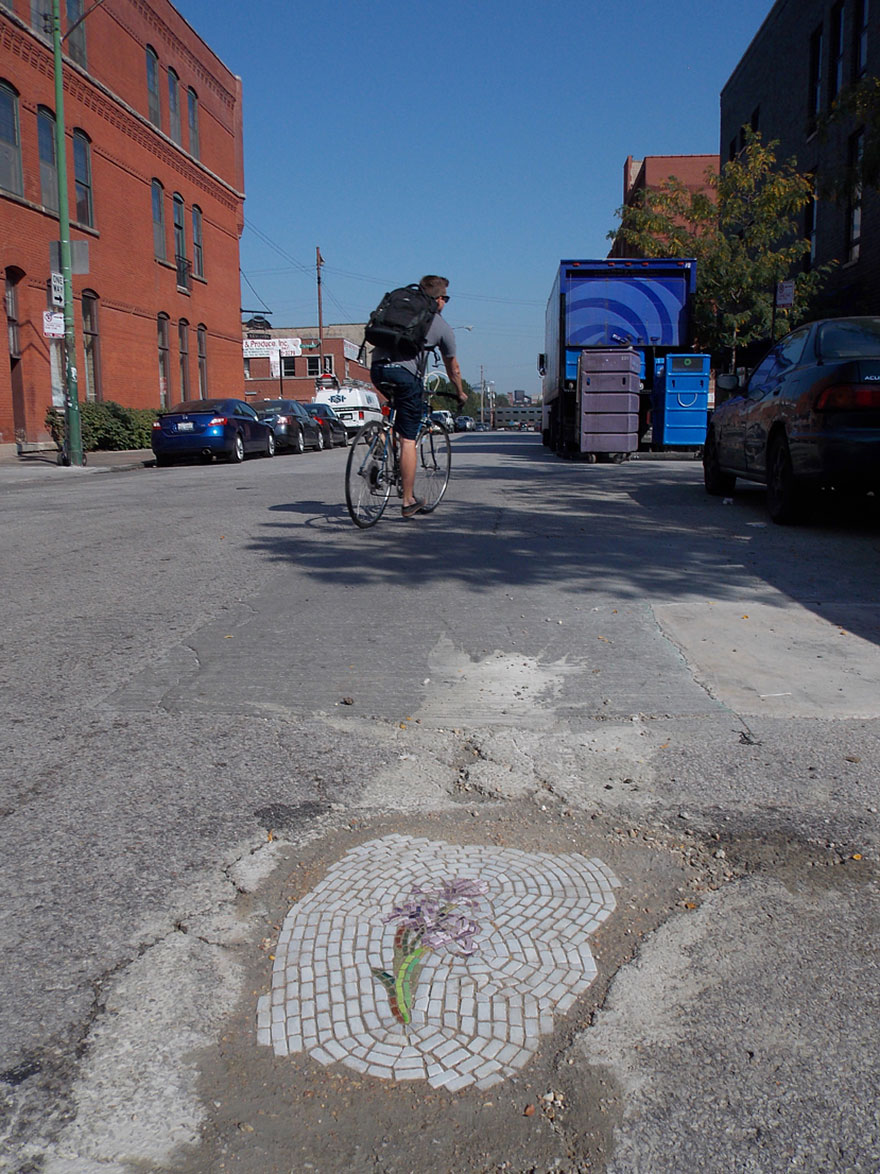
218, 420
847, 397
157, 424
361, 414
280, 420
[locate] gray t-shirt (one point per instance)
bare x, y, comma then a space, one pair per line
440, 335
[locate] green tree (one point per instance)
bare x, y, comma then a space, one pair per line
744, 232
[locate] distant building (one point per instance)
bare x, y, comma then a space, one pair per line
652, 171
290, 371
825, 45
153, 126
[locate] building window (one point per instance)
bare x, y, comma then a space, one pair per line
814, 101
192, 106
76, 40
91, 347
164, 362
202, 345
836, 53
183, 355
174, 105
860, 39
198, 255
11, 300
82, 178
158, 197
313, 365
41, 17
854, 220
48, 161
180, 259
288, 367
154, 108
10, 142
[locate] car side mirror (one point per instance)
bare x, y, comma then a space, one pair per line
725, 387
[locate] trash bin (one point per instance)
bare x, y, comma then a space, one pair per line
680, 401
608, 400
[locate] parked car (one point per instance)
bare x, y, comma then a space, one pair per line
354, 405
465, 423
445, 418
210, 427
808, 416
481, 426
333, 428
293, 426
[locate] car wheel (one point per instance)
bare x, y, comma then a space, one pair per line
270, 444
237, 454
299, 445
717, 482
344, 438
786, 500
319, 441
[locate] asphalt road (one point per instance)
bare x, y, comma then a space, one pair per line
215, 687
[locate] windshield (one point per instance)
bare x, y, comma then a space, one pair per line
850, 338
270, 405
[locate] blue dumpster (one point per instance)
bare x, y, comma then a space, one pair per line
680, 401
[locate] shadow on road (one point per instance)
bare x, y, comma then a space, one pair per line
640, 529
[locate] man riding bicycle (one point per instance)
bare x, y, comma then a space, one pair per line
406, 375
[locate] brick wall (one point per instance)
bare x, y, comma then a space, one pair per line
108, 101
771, 89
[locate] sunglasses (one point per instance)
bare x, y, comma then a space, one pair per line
445, 297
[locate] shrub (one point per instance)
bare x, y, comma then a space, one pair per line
108, 426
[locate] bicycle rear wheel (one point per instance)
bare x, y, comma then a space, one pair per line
433, 462
368, 476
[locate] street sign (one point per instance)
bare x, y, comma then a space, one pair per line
53, 324
784, 294
57, 289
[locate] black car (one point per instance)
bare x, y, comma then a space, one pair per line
333, 428
293, 426
808, 416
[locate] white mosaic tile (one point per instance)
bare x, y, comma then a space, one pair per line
474, 1021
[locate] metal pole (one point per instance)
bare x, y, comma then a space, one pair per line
72, 421
319, 261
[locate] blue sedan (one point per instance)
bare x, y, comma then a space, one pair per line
211, 427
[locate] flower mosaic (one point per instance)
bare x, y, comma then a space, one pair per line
515, 928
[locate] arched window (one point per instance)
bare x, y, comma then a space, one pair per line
91, 345
164, 362
10, 141
183, 355
48, 160
198, 255
192, 107
174, 105
158, 198
202, 342
154, 109
82, 178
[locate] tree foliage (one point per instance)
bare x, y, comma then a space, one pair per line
857, 105
744, 231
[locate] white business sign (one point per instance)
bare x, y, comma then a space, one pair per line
264, 348
53, 324
784, 293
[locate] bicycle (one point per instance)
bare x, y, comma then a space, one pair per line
373, 468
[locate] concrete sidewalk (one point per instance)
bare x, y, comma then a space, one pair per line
31, 468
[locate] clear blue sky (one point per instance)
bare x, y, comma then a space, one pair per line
480, 139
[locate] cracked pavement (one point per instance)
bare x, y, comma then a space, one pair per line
213, 687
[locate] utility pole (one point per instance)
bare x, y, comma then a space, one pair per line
72, 421
319, 261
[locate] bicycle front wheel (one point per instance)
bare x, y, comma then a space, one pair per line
368, 476
433, 462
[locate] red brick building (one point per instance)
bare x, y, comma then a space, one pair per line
155, 181
293, 375
651, 172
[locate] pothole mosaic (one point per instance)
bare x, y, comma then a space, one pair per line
474, 1018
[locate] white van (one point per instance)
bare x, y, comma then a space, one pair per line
355, 406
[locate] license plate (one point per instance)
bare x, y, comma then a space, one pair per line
185, 426
345, 415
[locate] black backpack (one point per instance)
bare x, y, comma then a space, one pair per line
399, 324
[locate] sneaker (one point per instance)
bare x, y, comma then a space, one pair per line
408, 511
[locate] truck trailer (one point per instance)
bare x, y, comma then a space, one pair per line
610, 323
